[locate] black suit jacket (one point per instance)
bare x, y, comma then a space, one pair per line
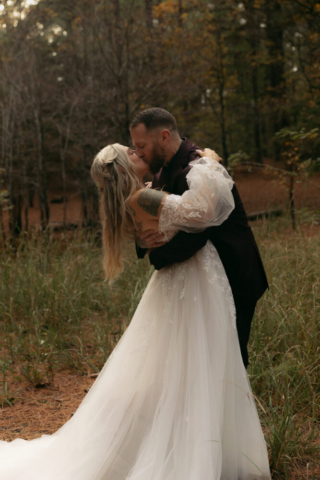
233, 239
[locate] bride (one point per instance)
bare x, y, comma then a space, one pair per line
173, 401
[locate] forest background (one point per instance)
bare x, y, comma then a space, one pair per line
75, 72
240, 77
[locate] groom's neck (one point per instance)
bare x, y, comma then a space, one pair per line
173, 147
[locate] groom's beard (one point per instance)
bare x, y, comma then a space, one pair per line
158, 159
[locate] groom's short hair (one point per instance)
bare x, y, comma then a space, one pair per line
154, 118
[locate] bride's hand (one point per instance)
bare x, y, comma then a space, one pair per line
149, 239
207, 152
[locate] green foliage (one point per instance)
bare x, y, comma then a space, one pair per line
237, 159
295, 145
296, 169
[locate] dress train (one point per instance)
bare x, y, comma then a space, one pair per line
173, 401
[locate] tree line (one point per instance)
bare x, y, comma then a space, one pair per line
73, 73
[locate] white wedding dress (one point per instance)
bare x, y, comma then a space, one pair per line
173, 401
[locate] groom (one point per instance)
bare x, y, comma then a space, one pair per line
154, 134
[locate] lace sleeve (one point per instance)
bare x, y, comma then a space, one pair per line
207, 203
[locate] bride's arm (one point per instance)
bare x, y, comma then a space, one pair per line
207, 203
147, 204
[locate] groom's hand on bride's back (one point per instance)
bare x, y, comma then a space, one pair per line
150, 239
207, 152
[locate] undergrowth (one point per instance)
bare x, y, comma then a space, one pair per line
57, 313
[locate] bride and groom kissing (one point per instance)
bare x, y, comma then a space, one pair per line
173, 401
168, 157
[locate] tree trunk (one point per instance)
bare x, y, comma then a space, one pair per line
221, 81
291, 199
18, 203
17, 215
180, 13
26, 195
149, 25
223, 129
2, 226
274, 33
10, 189
84, 188
63, 177
95, 209
64, 191
148, 6
42, 175
254, 36
257, 139
31, 193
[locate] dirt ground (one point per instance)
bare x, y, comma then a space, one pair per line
259, 192
263, 192
38, 411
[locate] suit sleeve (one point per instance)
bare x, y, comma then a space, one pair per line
182, 247
141, 252
208, 202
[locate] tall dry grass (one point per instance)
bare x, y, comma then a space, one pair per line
285, 350
56, 313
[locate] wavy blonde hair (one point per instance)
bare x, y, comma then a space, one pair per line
116, 178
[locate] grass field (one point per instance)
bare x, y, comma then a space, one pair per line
58, 316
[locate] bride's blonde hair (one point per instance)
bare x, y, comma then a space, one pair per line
116, 179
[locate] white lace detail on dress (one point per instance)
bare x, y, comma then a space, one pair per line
212, 265
208, 202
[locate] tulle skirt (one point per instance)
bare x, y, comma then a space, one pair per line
173, 401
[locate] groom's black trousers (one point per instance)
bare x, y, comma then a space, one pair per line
244, 319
